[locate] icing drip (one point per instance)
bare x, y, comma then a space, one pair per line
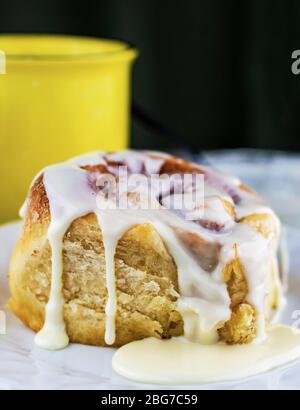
111, 233
169, 362
53, 336
65, 206
204, 302
111, 306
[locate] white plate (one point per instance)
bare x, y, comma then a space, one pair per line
24, 366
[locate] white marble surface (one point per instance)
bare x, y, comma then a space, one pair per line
24, 366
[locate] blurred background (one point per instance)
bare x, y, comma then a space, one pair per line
211, 73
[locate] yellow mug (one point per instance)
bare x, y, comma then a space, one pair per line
59, 96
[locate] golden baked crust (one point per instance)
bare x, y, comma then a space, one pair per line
146, 277
146, 283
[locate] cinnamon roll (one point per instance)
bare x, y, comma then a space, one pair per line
179, 249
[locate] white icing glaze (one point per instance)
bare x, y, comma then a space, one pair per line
178, 361
204, 301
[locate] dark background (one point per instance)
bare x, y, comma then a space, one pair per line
217, 73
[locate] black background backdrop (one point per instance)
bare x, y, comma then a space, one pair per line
216, 72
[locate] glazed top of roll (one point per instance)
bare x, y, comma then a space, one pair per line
203, 216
